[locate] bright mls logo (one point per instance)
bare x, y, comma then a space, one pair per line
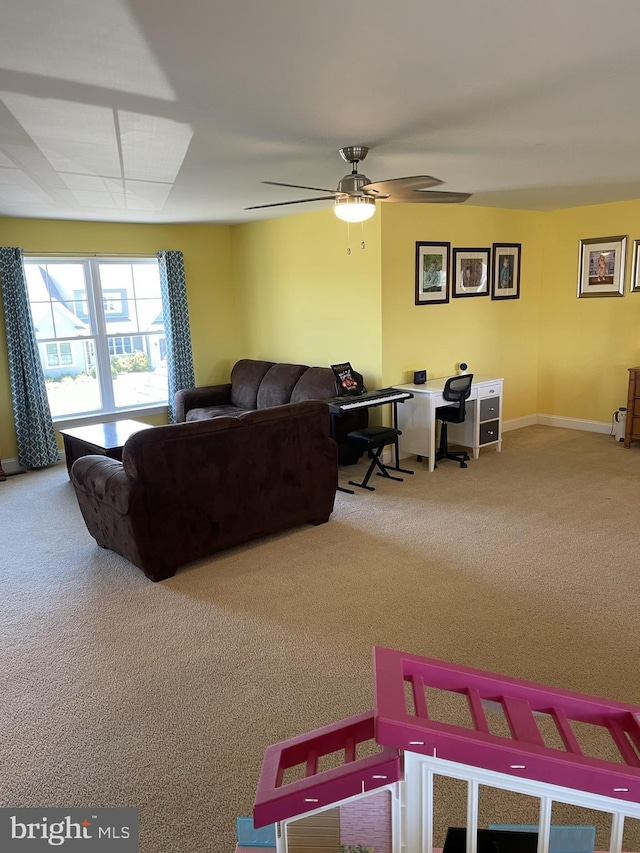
86, 830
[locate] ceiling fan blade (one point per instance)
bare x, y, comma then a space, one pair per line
297, 186
427, 196
297, 201
402, 185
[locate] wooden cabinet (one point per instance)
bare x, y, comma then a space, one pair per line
632, 430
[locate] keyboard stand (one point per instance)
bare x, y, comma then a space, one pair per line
396, 448
340, 488
395, 467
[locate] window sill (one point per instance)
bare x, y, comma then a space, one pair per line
107, 417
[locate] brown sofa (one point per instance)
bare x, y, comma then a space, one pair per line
261, 384
188, 490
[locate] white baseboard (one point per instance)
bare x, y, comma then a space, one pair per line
556, 421
533, 420
518, 423
12, 466
574, 423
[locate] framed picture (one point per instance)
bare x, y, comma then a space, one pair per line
432, 273
505, 281
471, 268
635, 268
602, 266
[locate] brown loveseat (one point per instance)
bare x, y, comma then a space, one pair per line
188, 490
261, 384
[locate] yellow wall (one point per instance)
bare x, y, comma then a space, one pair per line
287, 290
586, 345
207, 258
498, 338
303, 298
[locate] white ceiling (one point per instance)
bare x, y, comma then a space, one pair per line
166, 111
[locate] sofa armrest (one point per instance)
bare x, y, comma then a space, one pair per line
103, 480
199, 398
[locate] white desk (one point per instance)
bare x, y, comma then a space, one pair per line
482, 426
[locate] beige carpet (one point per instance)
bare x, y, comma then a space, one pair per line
118, 691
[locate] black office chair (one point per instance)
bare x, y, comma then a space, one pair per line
457, 389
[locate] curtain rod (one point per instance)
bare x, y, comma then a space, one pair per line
91, 254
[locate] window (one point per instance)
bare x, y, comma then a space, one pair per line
119, 346
58, 354
100, 333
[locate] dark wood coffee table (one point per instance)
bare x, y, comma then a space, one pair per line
105, 439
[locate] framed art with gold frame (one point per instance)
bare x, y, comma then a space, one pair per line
601, 266
635, 268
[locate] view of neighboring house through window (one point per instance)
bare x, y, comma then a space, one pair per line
100, 333
59, 354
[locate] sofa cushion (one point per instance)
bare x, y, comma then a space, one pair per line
246, 376
187, 445
213, 412
316, 383
278, 383
197, 398
284, 413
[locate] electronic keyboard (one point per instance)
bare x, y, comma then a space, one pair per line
367, 399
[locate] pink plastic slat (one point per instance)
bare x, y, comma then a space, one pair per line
622, 742
419, 698
528, 758
566, 732
521, 722
350, 749
276, 801
312, 763
634, 730
477, 711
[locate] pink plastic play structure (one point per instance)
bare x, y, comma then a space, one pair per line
412, 747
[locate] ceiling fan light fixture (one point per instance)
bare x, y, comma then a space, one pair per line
355, 208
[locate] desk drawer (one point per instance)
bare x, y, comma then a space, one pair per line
489, 432
489, 408
490, 390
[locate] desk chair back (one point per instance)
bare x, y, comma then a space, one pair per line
457, 389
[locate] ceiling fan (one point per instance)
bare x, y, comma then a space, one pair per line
356, 195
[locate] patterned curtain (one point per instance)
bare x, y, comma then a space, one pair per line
34, 428
176, 324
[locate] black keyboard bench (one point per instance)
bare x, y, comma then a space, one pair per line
374, 439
